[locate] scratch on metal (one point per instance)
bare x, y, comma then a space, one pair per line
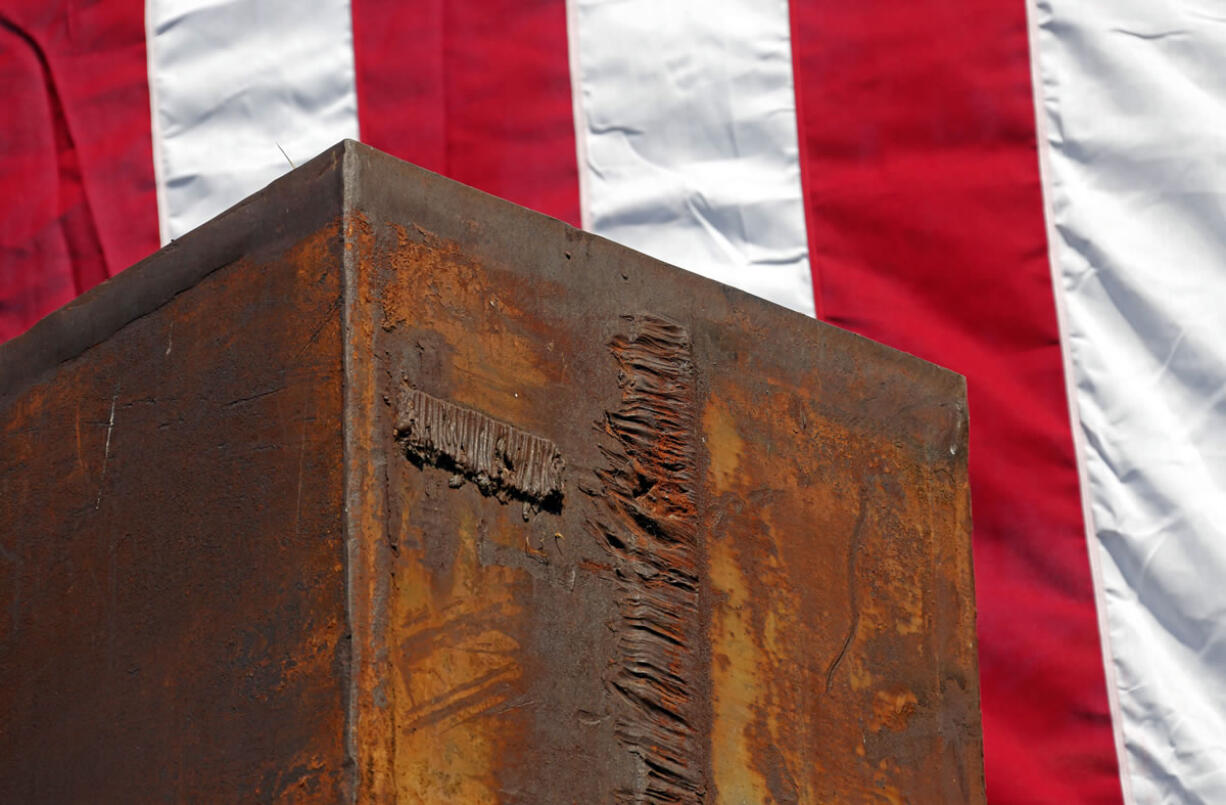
106, 451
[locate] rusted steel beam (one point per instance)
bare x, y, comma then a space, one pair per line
379, 489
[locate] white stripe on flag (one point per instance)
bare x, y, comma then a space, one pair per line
1134, 112
686, 136
233, 83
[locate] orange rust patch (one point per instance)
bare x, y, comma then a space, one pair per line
457, 666
430, 279
724, 447
892, 709
825, 580
735, 679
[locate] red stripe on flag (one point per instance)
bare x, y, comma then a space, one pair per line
75, 154
478, 91
926, 232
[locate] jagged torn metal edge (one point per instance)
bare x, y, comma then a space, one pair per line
650, 527
500, 459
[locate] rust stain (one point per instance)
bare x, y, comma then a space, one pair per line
650, 527
762, 750
892, 709
735, 680
457, 668
432, 279
370, 727
790, 591
724, 447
